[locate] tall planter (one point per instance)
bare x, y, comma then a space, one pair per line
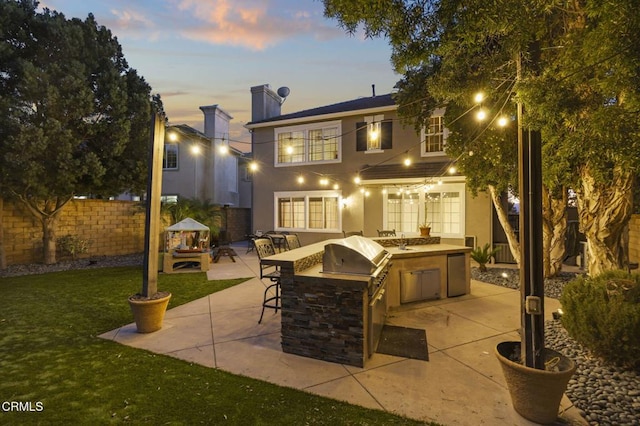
535, 394
149, 313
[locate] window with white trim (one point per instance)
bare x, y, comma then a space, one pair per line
307, 211
442, 207
312, 143
170, 158
374, 134
434, 136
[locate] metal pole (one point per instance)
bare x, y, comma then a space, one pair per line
531, 262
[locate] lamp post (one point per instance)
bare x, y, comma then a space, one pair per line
152, 216
531, 262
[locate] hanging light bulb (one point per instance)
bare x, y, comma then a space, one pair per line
384, 190
300, 179
324, 181
357, 180
336, 186
289, 150
452, 170
481, 115
253, 166
478, 97
503, 121
407, 161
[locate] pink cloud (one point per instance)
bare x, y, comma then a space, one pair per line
254, 24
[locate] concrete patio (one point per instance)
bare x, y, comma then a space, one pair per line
461, 384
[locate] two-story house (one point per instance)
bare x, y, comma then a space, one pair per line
204, 166
354, 166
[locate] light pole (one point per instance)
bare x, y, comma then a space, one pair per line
152, 217
531, 262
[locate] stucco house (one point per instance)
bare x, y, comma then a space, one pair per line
203, 165
354, 166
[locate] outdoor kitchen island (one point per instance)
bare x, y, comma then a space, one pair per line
336, 293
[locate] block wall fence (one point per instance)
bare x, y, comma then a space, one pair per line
111, 227
117, 228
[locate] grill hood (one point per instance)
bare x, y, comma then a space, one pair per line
353, 255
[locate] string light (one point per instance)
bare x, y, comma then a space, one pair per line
300, 179
253, 166
407, 161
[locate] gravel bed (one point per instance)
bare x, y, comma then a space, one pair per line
604, 394
65, 265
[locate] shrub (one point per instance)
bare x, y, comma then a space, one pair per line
72, 245
483, 255
603, 314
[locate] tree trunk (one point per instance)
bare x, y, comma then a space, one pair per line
49, 239
604, 209
3, 255
512, 239
554, 230
46, 212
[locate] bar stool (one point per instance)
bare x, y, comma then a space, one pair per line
264, 248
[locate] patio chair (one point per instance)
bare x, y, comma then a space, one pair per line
264, 248
387, 233
348, 234
291, 241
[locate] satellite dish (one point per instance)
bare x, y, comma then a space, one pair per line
283, 92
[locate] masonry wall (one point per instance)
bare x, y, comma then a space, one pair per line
112, 228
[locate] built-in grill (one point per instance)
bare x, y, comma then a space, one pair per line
354, 255
361, 256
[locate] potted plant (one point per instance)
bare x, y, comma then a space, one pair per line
425, 229
148, 306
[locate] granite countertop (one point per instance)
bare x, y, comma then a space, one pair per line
427, 249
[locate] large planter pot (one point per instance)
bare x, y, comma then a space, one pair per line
149, 313
535, 394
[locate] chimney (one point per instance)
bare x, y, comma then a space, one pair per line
216, 121
265, 103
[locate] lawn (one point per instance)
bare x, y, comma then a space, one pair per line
53, 363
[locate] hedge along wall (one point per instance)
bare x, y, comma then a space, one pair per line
111, 227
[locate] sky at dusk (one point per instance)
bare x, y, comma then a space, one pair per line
205, 52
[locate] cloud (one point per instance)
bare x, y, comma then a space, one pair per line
254, 24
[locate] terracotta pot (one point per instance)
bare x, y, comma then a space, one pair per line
425, 232
535, 394
149, 313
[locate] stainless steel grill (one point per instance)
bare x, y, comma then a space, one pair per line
354, 255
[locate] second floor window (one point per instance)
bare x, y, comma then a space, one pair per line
373, 134
170, 159
316, 143
433, 136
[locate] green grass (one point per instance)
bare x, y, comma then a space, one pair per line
50, 354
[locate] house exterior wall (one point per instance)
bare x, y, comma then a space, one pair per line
208, 175
364, 213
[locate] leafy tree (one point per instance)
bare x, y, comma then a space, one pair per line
573, 65
74, 116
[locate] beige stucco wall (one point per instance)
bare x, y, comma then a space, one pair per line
269, 179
